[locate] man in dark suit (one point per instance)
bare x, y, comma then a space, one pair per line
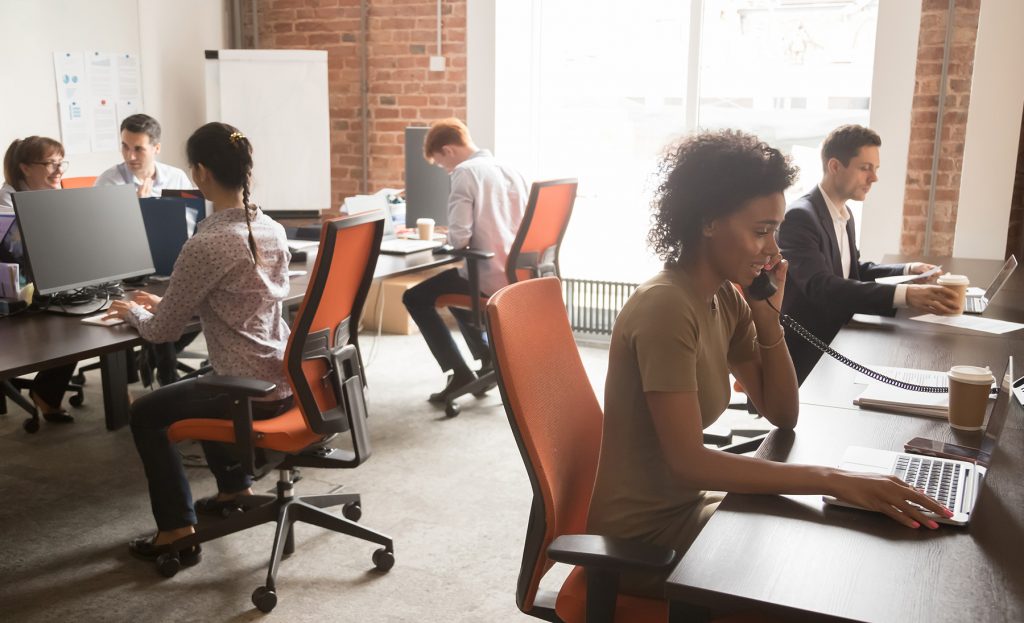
828, 282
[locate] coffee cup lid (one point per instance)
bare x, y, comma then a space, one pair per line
953, 280
971, 374
424, 221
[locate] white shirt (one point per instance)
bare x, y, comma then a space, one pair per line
485, 207
6, 202
166, 177
840, 217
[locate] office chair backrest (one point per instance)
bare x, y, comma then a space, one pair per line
324, 334
86, 181
554, 415
534, 253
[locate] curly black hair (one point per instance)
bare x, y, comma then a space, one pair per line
710, 176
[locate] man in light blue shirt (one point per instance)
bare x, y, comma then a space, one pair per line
140, 145
485, 207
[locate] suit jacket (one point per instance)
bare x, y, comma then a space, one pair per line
818, 296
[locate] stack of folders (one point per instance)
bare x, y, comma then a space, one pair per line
882, 397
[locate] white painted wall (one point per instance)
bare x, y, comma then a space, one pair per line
169, 36
481, 18
892, 93
993, 130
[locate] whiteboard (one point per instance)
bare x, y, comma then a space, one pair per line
279, 100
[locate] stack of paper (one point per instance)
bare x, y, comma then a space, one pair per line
889, 398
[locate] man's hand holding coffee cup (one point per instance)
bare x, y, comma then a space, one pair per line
933, 299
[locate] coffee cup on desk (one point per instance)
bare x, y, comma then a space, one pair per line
969, 387
425, 226
958, 284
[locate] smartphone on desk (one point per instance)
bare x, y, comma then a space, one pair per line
942, 450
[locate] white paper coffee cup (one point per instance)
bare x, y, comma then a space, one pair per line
958, 284
425, 226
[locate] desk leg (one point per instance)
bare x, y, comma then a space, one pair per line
114, 375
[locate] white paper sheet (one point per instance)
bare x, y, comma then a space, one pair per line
104, 125
972, 323
126, 108
75, 128
897, 279
99, 69
69, 71
129, 80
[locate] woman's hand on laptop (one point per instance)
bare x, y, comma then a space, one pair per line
889, 495
147, 300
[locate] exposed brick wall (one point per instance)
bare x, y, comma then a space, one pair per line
924, 114
401, 38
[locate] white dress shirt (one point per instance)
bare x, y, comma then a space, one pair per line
485, 207
6, 203
840, 217
166, 176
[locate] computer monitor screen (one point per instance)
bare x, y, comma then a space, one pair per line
426, 185
84, 236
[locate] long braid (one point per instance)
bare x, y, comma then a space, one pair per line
250, 211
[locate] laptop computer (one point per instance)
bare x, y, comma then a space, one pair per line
977, 301
391, 244
955, 484
167, 228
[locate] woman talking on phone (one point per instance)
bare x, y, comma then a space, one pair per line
715, 218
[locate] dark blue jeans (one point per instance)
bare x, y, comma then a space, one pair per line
152, 414
420, 299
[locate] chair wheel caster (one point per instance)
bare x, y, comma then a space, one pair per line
77, 400
264, 599
352, 511
481, 394
168, 565
31, 425
383, 560
78, 378
452, 409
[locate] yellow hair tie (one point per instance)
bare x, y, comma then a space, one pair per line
236, 136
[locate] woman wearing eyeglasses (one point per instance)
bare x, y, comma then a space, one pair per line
36, 163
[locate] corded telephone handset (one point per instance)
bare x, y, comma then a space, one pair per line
762, 288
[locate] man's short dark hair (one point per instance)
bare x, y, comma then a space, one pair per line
844, 142
142, 124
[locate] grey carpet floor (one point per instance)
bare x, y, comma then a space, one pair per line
453, 494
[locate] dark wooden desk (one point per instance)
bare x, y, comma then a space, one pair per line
798, 558
35, 341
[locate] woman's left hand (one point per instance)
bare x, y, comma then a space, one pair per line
120, 309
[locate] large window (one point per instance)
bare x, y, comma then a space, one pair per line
598, 89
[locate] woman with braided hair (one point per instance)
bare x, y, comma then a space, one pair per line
234, 274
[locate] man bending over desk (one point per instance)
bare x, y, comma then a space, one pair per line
485, 207
817, 237
140, 145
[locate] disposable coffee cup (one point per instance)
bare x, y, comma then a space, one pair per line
969, 387
426, 228
958, 284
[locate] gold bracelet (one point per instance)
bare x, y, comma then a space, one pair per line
781, 339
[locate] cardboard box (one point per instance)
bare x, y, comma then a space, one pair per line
384, 303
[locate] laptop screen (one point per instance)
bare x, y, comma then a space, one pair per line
997, 418
1004, 274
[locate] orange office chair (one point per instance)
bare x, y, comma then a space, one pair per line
326, 375
85, 181
534, 253
558, 423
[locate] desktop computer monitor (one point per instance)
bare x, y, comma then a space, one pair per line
426, 185
81, 237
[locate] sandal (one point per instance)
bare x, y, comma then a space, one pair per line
218, 508
144, 549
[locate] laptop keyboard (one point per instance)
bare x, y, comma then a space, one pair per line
937, 479
973, 304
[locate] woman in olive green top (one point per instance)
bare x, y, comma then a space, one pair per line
680, 335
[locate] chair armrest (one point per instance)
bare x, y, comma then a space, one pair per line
600, 552
249, 387
472, 254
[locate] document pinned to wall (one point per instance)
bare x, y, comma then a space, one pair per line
95, 91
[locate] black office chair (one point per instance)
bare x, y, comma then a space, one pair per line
12, 388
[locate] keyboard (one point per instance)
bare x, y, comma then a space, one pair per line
936, 478
974, 304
